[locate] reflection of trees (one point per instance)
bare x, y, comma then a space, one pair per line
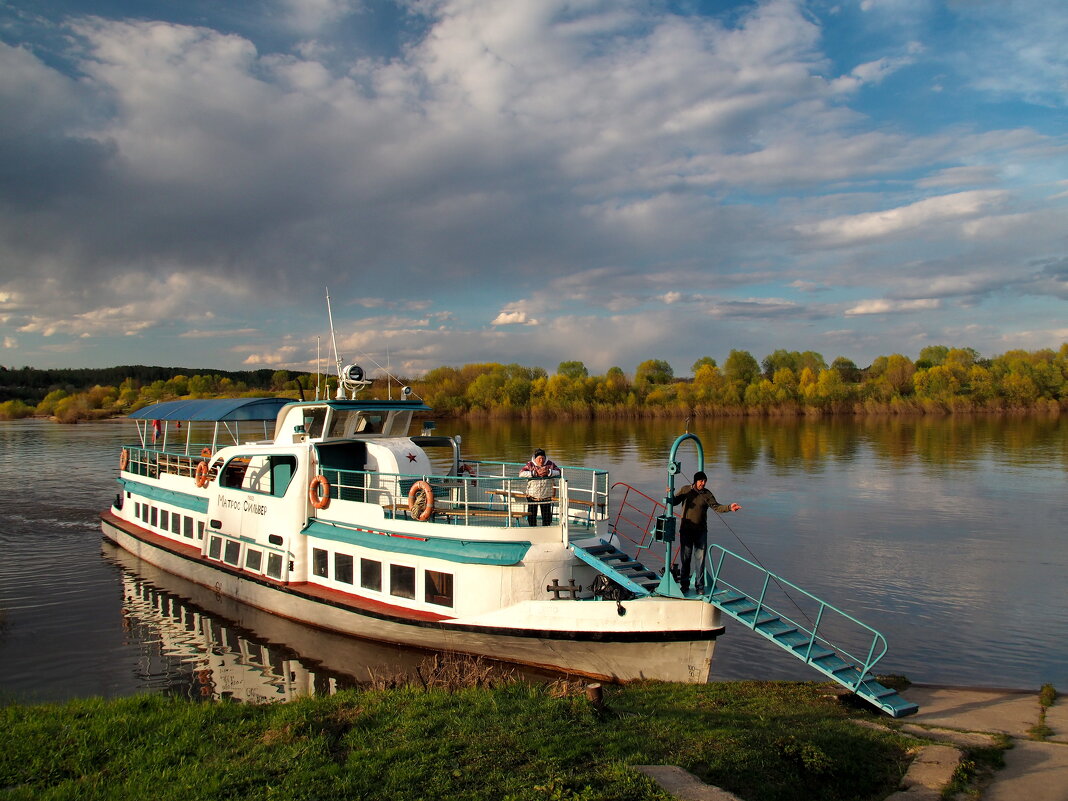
782, 444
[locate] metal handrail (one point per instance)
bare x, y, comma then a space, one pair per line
864, 666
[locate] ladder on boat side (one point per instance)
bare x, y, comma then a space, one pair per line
746, 598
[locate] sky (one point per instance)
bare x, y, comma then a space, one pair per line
529, 181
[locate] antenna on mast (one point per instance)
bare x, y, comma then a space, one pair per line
318, 366
351, 377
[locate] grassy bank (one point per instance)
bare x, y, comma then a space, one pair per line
760, 740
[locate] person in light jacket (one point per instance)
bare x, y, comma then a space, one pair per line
541, 472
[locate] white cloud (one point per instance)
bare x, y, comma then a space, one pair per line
513, 317
885, 306
854, 228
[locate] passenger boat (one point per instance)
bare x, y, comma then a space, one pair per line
332, 513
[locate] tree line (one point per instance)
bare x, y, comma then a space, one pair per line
941, 380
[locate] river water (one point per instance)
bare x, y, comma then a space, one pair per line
947, 535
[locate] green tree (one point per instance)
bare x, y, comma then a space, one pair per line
741, 368
845, 368
932, 355
654, 371
573, 370
704, 361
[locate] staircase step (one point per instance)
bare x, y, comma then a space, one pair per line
629, 565
643, 574
793, 639
776, 627
818, 651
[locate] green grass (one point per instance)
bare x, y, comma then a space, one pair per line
762, 741
1046, 698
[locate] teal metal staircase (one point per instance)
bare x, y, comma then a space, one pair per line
805, 640
618, 565
809, 641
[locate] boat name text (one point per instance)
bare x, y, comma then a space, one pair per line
247, 505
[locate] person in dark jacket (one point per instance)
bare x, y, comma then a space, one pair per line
693, 530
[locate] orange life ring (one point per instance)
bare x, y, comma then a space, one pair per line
201, 475
206, 453
317, 500
421, 510
124, 459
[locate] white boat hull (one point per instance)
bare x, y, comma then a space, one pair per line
580, 637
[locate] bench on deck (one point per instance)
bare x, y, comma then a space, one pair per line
520, 497
460, 512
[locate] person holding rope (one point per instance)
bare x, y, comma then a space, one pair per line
696, 500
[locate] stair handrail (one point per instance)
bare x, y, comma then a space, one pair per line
877, 638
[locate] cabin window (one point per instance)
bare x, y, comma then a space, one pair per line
232, 554
371, 575
234, 473
154, 513
265, 474
343, 568
369, 424
314, 418
188, 530
402, 581
253, 559
320, 563
200, 529
137, 509
164, 519
398, 423
438, 588
176, 523
215, 547
274, 565
342, 424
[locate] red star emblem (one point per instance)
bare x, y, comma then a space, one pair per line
411, 457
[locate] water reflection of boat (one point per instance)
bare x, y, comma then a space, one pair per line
218, 647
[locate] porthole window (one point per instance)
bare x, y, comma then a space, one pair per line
371, 575
402, 581
274, 565
232, 553
343, 568
320, 563
438, 588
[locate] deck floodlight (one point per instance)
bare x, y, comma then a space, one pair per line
665, 528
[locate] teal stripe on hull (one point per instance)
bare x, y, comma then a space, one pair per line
194, 503
468, 552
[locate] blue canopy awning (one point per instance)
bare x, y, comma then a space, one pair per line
213, 410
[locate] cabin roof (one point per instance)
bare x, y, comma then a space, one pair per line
240, 409
214, 409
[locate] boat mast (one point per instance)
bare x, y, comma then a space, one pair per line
333, 340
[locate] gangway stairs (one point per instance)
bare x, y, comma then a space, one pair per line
805, 640
802, 641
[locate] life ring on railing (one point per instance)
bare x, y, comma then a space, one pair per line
124, 459
206, 453
200, 477
421, 508
319, 500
